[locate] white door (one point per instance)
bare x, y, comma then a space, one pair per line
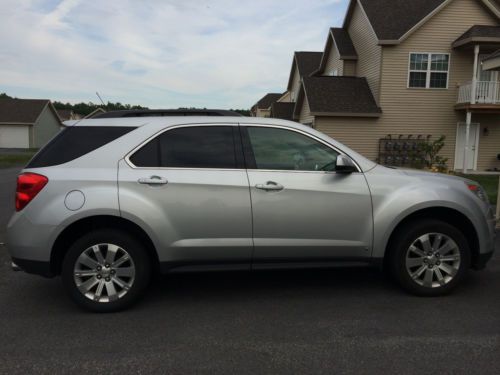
472, 146
14, 136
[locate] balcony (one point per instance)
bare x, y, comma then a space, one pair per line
487, 96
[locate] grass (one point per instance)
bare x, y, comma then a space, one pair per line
8, 160
488, 182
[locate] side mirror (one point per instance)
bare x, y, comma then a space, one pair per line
345, 165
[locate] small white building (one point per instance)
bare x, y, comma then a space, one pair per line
27, 123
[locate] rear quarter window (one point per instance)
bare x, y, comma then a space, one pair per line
74, 142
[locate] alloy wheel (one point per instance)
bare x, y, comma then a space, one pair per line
104, 272
433, 260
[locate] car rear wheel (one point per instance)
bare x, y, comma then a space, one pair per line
106, 270
429, 257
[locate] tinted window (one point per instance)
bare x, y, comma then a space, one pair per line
190, 147
75, 141
148, 155
281, 149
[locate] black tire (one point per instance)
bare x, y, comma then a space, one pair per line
139, 260
399, 248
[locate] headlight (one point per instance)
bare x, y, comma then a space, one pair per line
478, 191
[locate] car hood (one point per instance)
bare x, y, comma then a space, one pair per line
431, 175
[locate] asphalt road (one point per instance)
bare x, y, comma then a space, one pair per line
335, 321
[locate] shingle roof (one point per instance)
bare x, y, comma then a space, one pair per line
391, 19
282, 110
478, 31
344, 43
266, 101
307, 62
340, 95
64, 114
21, 110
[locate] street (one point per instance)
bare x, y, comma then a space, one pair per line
345, 320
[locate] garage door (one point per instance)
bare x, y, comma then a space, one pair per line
14, 136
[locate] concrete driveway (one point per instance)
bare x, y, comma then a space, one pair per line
318, 322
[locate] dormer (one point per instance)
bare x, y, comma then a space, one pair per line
340, 56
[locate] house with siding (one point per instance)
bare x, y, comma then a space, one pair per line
27, 123
400, 70
304, 63
263, 107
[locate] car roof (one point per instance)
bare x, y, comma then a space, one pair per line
178, 120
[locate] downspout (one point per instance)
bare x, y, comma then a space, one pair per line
468, 119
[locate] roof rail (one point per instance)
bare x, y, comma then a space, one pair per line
167, 112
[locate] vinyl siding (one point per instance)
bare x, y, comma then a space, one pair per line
489, 145
305, 116
360, 134
333, 62
369, 52
46, 127
430, 111
263, 113
286, 98
295, 84
349, 68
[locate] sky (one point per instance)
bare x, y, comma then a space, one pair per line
158, 53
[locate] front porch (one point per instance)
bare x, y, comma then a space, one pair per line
482, 93
486, 98
479, 97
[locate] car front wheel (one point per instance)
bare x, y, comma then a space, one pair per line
106, 270
429, 257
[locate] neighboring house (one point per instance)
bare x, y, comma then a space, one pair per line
303, 64
27, 123
263, 107
68, 114
410, 68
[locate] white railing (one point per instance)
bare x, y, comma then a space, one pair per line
487, 92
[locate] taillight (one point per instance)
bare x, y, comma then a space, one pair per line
28, 186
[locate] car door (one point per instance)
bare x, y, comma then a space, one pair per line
188, 186
302, 209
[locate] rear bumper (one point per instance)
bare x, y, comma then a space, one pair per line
34, 267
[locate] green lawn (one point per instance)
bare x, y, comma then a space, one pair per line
9, 160
488, 182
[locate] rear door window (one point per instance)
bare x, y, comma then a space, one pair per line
192, 147
75, 141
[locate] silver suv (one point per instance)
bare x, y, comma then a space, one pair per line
109, 202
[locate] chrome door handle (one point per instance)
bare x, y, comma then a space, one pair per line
153, 180
269, 186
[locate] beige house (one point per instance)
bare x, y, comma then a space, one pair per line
406, 70
263, 107
27, 123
